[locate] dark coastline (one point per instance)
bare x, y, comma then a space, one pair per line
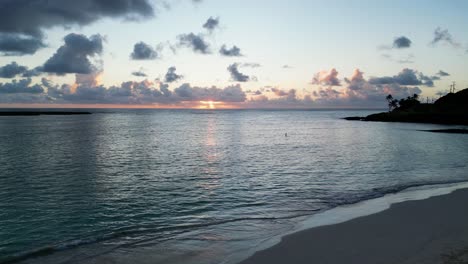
450, 131
451, 109
38, 113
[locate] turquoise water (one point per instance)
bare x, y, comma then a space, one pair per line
181, 186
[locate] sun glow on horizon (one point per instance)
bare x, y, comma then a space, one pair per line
208, 104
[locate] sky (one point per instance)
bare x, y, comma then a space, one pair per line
229, 54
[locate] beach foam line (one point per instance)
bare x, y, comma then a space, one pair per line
379, 200
126, 231
345, 213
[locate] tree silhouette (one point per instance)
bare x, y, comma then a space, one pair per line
409, 102
392, 103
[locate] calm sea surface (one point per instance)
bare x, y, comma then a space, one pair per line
160, 186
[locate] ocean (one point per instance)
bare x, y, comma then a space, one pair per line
198, 186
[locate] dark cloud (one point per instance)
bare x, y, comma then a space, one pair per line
405, 77
33, 72
232, 52
139, 73
11, 70
21, 86
327, 78
74, 56
171, 75
444, 36
211, 24
443, 74
22, 22
401, 42
143, 51
196, 42
236, 75
18, 45
428, 80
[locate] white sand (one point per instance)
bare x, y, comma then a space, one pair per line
409, 232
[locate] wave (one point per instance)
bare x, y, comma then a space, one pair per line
179, 229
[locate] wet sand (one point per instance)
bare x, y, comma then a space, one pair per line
434, 230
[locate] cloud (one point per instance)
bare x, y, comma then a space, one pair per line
355, 91
233, 93
143, 51
250, 65
21, 86
11, 70
427, 80
327, 78
139, 73
89, 91
284, 99
327, 93
289, 95
23, 22
444, 36
405, 77
18, 44
92, 79
359, 92
236, 75
196, 42
74, 56
171, 75
443, 74
33, 72
211, 24
408, 59
232, 52
401, 42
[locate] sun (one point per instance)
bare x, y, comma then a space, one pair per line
208, 104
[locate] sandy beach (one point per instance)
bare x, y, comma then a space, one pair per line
434, 230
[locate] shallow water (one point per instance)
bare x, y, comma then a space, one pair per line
185, 186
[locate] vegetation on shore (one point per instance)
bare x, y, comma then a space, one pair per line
449, 109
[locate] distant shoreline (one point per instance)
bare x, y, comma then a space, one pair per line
38, 113
414, 117
388, 118
450, 109
450, 131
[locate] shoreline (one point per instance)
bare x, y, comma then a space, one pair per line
431, 227
330, 217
